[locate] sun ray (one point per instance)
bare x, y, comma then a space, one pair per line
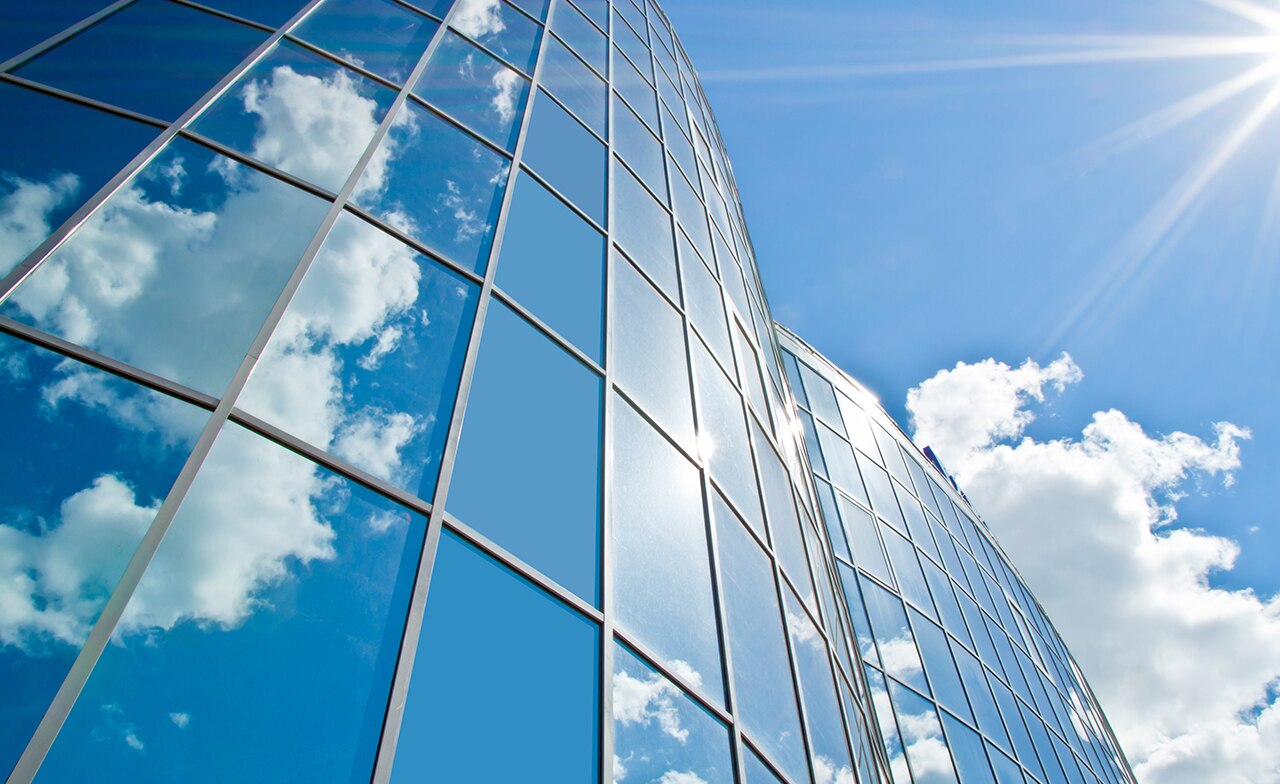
1250, 11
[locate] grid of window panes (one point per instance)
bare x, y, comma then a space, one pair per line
396, 398
958, 654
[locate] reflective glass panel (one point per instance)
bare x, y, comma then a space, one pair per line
906, 567
596, 10
490, 638
881, 492
354, 367
570, 80
888, 728
704, 304
841, 469
377, 35
822, 398
1022, 744
268, 622
892, 454
749, 373
916, 525
476, 88
535, 8
195, 242
1007, 771
639, 148
153, 57
858, 614
54, 155
499, 28
766, 701
552, 262
532, 431
780, 506
893, 635
437, 184
574, 29
722, 439
831, 759
660, 734
857, 426
942, 670
98, 455
302, 113
945, 599
649, 356
565, 153
867, 550
679, 146
811, 442
966, 750
24, 25
831, 517
922, 736
643, 230
975, 684
629, 41
693, 219
662, 577
755, 771
273, 12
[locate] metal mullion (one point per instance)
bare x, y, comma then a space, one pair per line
640, 412
547, 331
320, 51
389, 737
654, 661
92, 103
608, 595
35, 51
266, 28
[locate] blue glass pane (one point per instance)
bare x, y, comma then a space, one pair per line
23, 25
54, 155
660, 734
906, 566
880, 489
704, 303
883, 705
893, 635
857, 427
922, 735
637, 92
831, 517
596, 10
862, 530
1026, 751
822, 397
831, 759
629, 42
722, 437
693, 219
535, 8
301, 113
643, 230
528, 466
761, 666
153, 57
552, 262
268, 622
938, 664
966, 750
814, 451
438, 184
355, 369
573, 28
437, 8
565, 153
841, 469
984, 706
755, 771
377, 35
568, 79
1007, 771
269, 12
476, 88
97, 457
499, 28
492, 640
639, 148
662, 577
945, 599
784, 524
749, 373
195, 242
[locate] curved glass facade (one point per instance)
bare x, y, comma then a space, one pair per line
391, 396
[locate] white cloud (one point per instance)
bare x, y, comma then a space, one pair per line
478, 18
900, 657
826, 772
505, 86
25, 213
1184, 670
681, 777
180, 720
653, 699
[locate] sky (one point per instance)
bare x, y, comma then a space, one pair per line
1067, 218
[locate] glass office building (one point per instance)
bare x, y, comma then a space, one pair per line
390, 395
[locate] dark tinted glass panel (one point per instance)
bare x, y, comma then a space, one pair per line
490, 638
377, 35
574, 29
565, 153
643, 230
574, 84
355, 369
639, 148
438, 184
269, 12
552, 262
532, 432
153, 57
194, 242
474, 87
98, 455
722, 437
54, 155
499, 28
966, 750
23, 25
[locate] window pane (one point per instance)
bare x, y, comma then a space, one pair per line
841, 469
355, 369
692, 217
629, 43
659, 733
565, 153
552, 262
378, 35
966, 748
637, 92
881, 492
301, 113
639, 148
54, 155
831, 518
761, 666
749, 373
975, 684
649, 355
945, 599
822, 398
811, 442
269, 12
438, 184
570, 80
1007, 771
893, 635
907, 569
922, 735
98, 455
535, 8
574, 29
596, 10
888, 728
272, 565
941, 669
916, 525
23, 25
863, 536
1017, 730
755, 771
662, 578
194, 242
831, 760
153, 57
704, 303
476, 88
858, 614
644, 230
784, 524
722, 438
528, 465
498, 658
501, 29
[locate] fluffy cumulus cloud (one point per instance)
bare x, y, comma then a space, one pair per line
1187, 672
25, 213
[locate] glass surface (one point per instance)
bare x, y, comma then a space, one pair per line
23, 25
636, 90
830, 758
476, 88
906, 567
353, 367
749, 373
678, 145
940, 667
693, 218
629, 41
98, 455
731, 275
922, 735
596, 10
755, 771
881, 492
194, 242
570, 80
532, 431
892, 454
660, 734
377, 35
841, 469
722, 437
54, 155
945, 600
565, 153
831, 517
268, 622
916, 524
867, 550
766, 700
662, 573
1026, 751
643, 229
1007, 771
857, 427
301, 113
499, 28
438, 184
784, 524
880, 700
552, 262
704, 303
975, 685
811, 442
535, 8
893, 635
270, 12
822, 398
858, 614
490, 638
648, 352
572, 27
153, 57
639, 148
966, 750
